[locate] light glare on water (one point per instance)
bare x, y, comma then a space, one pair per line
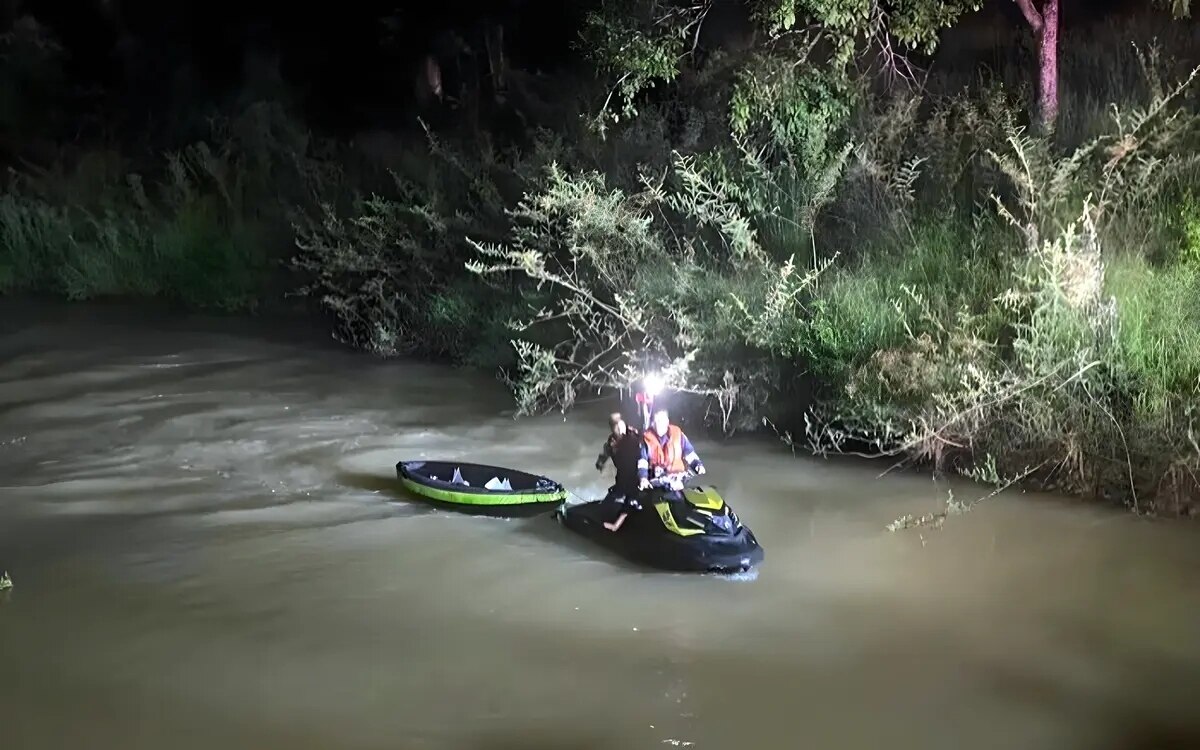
209, 549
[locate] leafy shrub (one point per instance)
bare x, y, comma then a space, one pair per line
390, 266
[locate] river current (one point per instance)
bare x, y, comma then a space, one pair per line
209, 549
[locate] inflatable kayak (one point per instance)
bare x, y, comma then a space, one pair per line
694, 530
477, 487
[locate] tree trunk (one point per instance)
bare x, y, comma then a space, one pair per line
494, 42
428, 83
1048, 67
1044, 24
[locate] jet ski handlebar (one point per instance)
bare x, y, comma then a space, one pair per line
667, 480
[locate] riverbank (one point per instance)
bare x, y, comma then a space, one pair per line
930, 283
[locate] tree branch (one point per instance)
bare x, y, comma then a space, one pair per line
1031, 14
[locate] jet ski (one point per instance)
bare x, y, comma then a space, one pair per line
677, 528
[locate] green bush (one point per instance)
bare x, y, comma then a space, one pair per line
390, 265
984, 311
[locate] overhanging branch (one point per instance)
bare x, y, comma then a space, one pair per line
1031, 15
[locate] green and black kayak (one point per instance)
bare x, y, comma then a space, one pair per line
479, 488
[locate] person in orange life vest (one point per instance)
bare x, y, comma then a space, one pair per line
624, 448
666, 450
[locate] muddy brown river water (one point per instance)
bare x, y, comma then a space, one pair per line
209, 550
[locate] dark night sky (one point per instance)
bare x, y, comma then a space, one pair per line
336, 55
329, 35
214, 32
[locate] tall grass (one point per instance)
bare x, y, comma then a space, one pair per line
192, 254
1159, 336
201, 226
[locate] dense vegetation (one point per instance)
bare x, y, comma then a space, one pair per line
800, 227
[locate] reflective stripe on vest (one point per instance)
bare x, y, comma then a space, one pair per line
669, 460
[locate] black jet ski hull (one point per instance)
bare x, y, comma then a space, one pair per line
643, 540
